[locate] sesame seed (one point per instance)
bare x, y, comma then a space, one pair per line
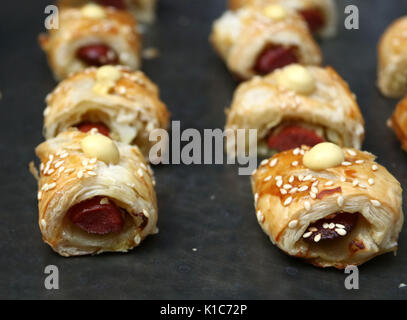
279, 183
331, 225
294, 163
300, 177
260, 216
307, 235
291, 179
315, 183
314, 190
341, 232
340, 201
256, 197
313, 229
61, 169
283, 191
137, 239
50, 171
307, 205
346, 163
288, 201
85, 163
264, 162
307, 178
293, 224
329, 183
355, 182
43, 223
296, 151
293, 190
351, 152
273, 162
371, 181
268, 178
91, 173
374, 167
64, 155
146, 214
317, 237
360, 161
312, 195
80, 174
279, 178
303, 188
376, 203
41, 166
39, 195
69, 170
340, 226
51, 186
287, 186
325, 225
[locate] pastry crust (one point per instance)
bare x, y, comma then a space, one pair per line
262, 104
68, 177
142, 10
398, 122
327, 7
392, 75
117, 30
131, 109
240, 37
366, 188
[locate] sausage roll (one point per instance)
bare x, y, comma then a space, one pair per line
91, 36
95, 195
392, 79
256, 41
142, 10
294, 106
398, 122
119, 103
320, 15
344, 210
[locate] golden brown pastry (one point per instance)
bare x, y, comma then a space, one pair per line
320, 15
91, 35
398, 122
293, 106
142, 10
95, 195
392, 79
256, 40
119, 103
330, 206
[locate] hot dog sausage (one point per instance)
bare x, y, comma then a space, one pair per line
97, 55
292, 137
94, 217
314, 18
329, 228
118, 4
87, 126
274, 57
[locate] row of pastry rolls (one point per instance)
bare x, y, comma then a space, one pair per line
262, 36
94, 34
392, 80
96, 190
340, 207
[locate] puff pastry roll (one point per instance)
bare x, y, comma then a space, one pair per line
398, 122
320, 15
119, 103
293, 106
341, 214
95, 195
142, 10
91, 35
392, 80
256, 41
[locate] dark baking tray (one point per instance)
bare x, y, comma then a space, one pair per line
209, 208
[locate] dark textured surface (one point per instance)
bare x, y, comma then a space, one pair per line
205, 207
